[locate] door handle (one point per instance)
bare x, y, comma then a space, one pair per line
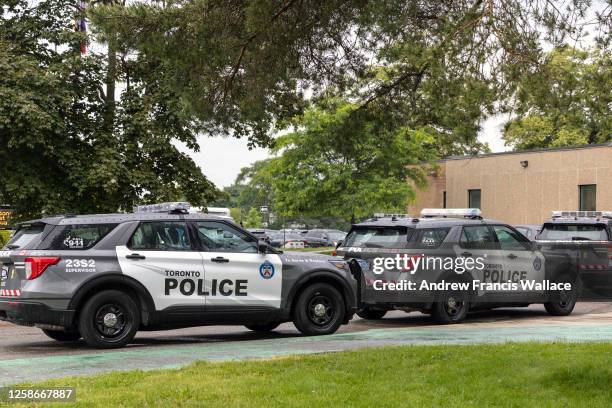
135, 256
466, 254
220, 259
512, 256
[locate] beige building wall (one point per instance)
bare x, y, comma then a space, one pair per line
517, 194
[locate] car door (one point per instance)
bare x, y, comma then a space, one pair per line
162, 257
237, 275
521, 262
479, 242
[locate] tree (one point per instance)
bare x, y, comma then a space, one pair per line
243, 67
566, 102
60, 151
346, 169
253, 219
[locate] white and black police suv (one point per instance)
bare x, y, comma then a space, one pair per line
104, 277
453, 261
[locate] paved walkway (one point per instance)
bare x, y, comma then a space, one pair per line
38, 368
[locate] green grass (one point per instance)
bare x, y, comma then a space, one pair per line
513, 375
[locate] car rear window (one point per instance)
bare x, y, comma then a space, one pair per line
25, 234
575, 232
378, 237
77, 236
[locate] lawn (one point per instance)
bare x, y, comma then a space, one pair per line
517, 375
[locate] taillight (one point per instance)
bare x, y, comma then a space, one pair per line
36, 265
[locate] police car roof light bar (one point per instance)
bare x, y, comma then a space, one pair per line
178, 207
582, 214
386, 215
451, 213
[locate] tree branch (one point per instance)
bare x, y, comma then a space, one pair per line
250, 39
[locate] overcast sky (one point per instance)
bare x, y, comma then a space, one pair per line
222, 158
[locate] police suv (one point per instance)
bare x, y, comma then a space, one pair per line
583, 240
451, 261
103, 277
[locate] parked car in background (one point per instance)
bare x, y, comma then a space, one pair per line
331, 237
582, 240
531, 231
262, 234
287, 239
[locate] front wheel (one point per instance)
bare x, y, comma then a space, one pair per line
109, 319
262, 328
62, 336
319, 310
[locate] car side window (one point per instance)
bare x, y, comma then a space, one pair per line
509, 239
220, 237
77, 236
523, 231
429, 237
477, 237
161, 236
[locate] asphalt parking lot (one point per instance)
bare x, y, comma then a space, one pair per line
27, 354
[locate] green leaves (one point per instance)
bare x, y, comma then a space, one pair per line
566, 102
56, 152
341, 162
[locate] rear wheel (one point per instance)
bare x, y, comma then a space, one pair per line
563, 301
371, 314
452, 307
62, 335
319, 310
262, 328
109, 319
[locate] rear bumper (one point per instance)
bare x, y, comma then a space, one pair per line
28, 313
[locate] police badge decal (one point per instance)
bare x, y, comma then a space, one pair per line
266, 270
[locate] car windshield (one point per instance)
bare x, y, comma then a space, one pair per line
377, 237
336, 235
24, 235
574, 232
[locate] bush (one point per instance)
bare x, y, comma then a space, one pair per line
5, 235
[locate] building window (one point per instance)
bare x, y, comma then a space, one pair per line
588, 197
444, 199
474, 198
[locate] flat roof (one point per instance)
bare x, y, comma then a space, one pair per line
541, 150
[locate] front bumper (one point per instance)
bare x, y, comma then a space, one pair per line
27, 313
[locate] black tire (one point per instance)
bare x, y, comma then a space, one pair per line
564, 302
62, 335
262, 328
451, 307
371, 314
109, 319
319, 310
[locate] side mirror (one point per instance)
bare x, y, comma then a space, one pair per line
339, 243
262, 247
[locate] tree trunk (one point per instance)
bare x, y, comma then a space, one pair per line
111, 74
